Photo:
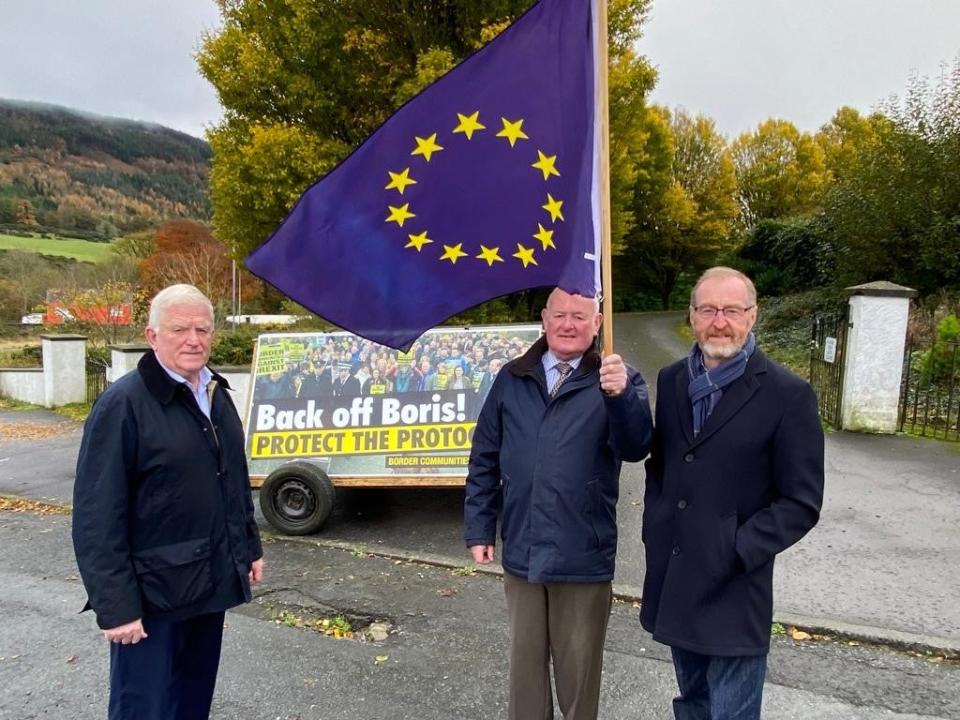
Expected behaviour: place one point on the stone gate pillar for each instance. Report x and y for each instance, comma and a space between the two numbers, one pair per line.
873, 363
64, 369
124, 358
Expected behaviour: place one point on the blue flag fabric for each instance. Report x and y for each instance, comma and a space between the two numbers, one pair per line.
482, 185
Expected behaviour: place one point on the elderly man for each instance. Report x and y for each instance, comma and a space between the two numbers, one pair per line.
546, 453
735, 476
163, 523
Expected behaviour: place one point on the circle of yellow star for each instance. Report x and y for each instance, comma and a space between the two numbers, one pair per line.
418, 241
469, 125
399, 215
491, 255
400, 180
453, 253
545, 237
525, 255
554, 208
427, 146
512, 131
546, 165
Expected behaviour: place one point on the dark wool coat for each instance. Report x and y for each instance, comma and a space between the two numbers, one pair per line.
551, 467
163, 522
718, 508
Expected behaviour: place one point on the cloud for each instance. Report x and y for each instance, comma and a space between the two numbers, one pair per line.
112, 57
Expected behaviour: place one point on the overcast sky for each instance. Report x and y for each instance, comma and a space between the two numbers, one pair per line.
737, 61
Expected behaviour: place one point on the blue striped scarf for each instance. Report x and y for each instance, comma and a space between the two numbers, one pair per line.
707, 386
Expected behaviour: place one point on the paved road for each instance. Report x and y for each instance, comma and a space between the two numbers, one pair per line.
443, 659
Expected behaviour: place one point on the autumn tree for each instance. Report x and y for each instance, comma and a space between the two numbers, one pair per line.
186, 251
687, 208
24, 280
846, 137
108, 312
781, 172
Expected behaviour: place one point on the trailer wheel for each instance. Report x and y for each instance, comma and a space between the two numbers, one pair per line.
297, 498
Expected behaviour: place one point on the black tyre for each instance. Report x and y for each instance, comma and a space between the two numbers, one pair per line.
297, 498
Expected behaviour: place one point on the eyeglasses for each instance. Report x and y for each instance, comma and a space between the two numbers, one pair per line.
733, 312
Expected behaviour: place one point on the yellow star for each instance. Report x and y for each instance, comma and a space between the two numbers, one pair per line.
399, 215
545, 236
418, 241
400, 180
525, 255
545, 165
427, 146
553, 207
469, 125
491, 255
512, 131
453, 253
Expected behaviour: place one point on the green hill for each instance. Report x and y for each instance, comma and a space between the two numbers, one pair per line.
93, 177
82, 250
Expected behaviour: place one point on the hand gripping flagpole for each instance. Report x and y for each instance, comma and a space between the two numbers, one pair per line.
603, 117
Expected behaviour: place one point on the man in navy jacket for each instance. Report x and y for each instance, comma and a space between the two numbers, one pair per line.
735, 476
546, 457
163, 523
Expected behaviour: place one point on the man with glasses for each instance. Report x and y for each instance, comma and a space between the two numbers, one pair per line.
735, 476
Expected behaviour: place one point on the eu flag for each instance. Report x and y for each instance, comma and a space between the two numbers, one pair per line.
483, 184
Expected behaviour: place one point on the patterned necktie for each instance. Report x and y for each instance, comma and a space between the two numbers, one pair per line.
563, 372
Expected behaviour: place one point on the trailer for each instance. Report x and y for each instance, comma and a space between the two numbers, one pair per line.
329, 410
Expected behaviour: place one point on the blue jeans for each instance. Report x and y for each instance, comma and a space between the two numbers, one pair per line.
718, 688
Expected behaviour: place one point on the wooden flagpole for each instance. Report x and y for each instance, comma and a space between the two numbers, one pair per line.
603, 117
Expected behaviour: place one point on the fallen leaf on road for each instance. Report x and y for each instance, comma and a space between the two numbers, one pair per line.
799, 634
36, 431
15, 504
380, 659
72, 660
447, 592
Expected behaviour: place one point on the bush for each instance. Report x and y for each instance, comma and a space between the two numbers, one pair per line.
783, 325
787, 256
98, 357
26, 356
234, 346
939, 363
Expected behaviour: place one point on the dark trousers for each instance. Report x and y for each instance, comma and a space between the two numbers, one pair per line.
568, 623
171, 674
718, 688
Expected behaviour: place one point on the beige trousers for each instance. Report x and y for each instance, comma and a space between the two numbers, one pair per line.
568, 623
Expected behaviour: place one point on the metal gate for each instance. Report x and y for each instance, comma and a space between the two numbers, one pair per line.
96, 382
827, 342
930, 394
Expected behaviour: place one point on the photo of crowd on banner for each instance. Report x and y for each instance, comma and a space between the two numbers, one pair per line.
344, 365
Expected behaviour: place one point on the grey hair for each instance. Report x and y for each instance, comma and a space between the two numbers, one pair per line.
596, 300
722, 271
181, 294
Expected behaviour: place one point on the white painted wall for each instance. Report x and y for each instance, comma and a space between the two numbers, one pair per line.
23, 384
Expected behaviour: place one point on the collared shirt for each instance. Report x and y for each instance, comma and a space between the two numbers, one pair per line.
550, 361
200, 394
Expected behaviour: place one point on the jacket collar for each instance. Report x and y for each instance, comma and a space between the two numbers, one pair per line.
159, 383
531, 361
734, 397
